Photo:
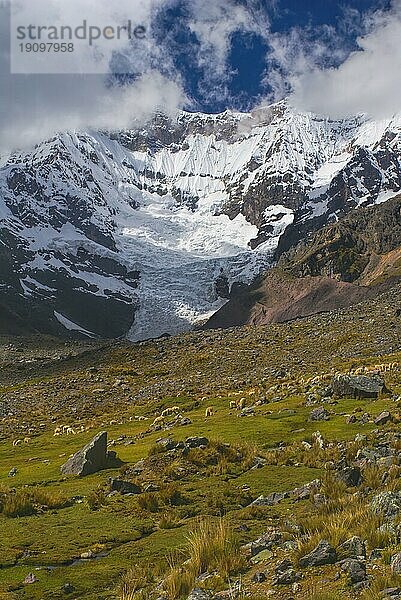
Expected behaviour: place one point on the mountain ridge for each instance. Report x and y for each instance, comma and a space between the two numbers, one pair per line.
129, 234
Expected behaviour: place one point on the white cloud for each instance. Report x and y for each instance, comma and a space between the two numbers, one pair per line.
34, 107
367, 81
296, 53
214, 23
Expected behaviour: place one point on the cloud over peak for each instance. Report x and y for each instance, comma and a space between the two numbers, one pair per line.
367, 81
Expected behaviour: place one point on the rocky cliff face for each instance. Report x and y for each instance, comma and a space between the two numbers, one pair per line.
145, 232
348, 250
341, 264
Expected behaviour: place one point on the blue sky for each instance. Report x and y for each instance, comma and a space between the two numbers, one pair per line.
332, 58
336, 25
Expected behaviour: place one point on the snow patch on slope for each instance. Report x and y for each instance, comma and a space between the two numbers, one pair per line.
71, 326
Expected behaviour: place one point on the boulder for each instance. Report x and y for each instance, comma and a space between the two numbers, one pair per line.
374, 454
124, 487
396, 563
358, 386
387, 504
319, 414
268, 540
353, 548
270, 500
323, 554
167, 444
350, 476
304, 492
383, 418
263, 556
138, 467
196, 442
355, 569
247, 412
285, 573
91, 459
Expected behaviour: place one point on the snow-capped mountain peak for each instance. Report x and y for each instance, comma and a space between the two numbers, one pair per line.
148, 231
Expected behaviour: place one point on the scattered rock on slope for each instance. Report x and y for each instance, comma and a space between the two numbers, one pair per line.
383, 418
319, 414
387, 504
355, 569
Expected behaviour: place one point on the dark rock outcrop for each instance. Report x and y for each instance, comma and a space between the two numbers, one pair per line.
358, 386
124, 487
353, 548
355, 569
396, 563
323, 554
387, 504
350, 476
319, 414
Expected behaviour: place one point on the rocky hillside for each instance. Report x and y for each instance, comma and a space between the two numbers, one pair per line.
144, 232
341, 264
351, 249
254, 462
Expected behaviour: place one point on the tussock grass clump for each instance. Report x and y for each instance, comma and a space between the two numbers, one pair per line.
149, 501
254, 513
168, 521
211, 546
315, 457
156, 449
48, 498
313, 592
220, 458
171, 495
342, 516
178, 583
18, 504
135, 583
334, 491
372, 477
29, 501
379, 583
96, 499
354, 519
225, 499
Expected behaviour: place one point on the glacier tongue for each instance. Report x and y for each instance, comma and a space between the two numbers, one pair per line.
180, 254
175, 298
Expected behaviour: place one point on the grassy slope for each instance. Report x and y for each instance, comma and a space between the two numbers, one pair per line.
193, 371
